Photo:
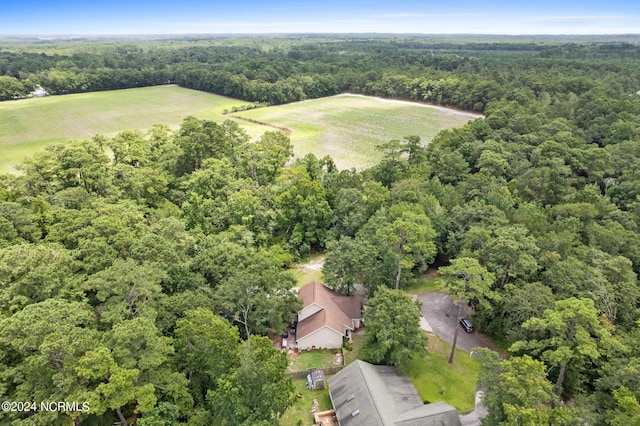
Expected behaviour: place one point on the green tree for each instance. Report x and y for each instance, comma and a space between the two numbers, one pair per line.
467, 280
117, 386
615, 287
449, 166
146, 185
350, 212
21, 222
206, 349
410, 237
129, 372
340, 270
372, 258
78, 163
510, 252
304, 214
393, 334
11, 88
517, 392
462, 218
125, 290
258, 295
252, 207
413, 147
202, 139
256, 390
571, 336
40, 347
128, 147
208, 189
518, 304
392, 167
492, 163
622, 370
32, 273
262, 160
627, 410
98, 233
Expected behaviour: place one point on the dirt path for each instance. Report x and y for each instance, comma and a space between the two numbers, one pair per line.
313, 265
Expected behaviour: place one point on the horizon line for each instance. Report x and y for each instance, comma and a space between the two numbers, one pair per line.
310, 33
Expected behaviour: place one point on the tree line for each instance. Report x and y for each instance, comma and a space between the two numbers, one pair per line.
462, 73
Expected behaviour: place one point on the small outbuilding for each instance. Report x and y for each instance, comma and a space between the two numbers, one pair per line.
315, 379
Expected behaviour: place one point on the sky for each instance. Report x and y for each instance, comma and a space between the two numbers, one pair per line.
121, 17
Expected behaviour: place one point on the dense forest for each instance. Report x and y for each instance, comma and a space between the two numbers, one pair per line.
121, 275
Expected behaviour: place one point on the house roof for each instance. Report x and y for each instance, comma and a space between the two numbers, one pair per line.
366, 394
337, 311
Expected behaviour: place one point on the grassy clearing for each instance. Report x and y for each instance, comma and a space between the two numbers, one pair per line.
424, 284
30, 124
312, 359
301, 409
353, 352
310, 269
437, 380
348, 127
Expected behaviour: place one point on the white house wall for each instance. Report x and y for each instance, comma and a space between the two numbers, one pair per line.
325, 338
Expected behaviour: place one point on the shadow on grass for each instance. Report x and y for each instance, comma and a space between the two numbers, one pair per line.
423, 284
352, 351
437, 380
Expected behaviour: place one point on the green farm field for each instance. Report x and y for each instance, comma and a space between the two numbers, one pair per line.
30, 124
348, 127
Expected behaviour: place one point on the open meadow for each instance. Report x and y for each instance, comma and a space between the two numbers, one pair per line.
346, 127
30, 124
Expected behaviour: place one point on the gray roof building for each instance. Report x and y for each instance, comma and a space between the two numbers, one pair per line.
374, 395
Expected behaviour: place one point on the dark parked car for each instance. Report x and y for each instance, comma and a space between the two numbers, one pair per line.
466, 325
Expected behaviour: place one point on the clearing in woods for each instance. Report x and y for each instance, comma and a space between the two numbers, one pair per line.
30, 124
346, 127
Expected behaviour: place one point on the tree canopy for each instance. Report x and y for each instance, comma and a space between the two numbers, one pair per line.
117, 252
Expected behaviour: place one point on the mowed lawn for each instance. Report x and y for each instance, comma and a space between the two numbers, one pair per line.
437, 380
348, 127
301, 408
30, 124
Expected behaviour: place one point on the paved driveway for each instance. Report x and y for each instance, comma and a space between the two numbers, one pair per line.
442, 315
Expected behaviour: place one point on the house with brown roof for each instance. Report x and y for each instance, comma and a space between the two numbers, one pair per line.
326, 317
